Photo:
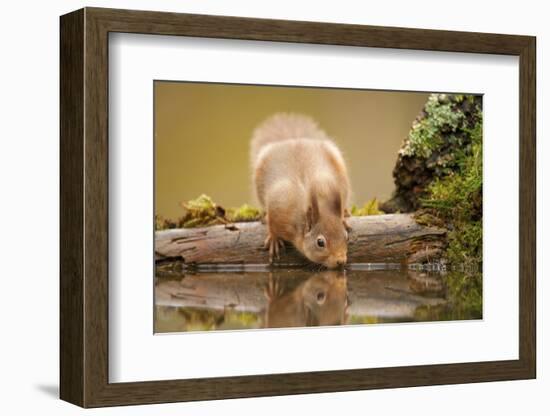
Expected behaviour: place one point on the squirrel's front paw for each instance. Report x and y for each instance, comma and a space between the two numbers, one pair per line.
274, 245
273, 289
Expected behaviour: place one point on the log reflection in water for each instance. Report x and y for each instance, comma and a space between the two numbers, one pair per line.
291, 297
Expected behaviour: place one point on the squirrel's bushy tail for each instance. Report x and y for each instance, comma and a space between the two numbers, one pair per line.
284, 126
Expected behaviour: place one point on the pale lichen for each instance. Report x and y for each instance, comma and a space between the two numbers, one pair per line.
434, 148
426, 134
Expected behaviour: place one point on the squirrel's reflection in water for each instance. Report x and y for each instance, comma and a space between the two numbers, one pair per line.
322, 299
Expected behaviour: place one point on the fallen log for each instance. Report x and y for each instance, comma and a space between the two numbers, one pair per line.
393, 238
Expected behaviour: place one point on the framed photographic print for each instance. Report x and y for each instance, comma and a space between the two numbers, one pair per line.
255, 207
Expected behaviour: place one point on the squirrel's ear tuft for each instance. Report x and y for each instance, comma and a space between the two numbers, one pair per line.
312, 216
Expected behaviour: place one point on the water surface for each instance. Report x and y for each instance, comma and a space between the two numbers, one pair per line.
229, 300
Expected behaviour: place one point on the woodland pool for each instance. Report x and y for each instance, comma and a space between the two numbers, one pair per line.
226, 299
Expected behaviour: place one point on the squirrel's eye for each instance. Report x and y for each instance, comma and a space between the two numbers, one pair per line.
321, 242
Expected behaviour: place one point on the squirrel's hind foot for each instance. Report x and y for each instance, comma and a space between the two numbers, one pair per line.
275, 245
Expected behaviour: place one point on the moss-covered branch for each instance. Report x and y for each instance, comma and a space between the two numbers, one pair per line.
438, 174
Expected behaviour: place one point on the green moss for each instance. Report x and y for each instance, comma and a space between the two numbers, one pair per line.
203, 205
428, 218
456, 199
370, 208
162, 223
243, 213
439, 138
426, 134
203, 212
465, 244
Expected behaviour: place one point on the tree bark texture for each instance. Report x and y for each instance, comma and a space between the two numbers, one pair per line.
393, 238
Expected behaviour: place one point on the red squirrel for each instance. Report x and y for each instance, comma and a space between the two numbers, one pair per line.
322, 299
302, 183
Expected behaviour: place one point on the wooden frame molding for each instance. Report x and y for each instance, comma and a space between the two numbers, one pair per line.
84, 207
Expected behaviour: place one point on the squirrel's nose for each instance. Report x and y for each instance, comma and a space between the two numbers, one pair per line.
341, 261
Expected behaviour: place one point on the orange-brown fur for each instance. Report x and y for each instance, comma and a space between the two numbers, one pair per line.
301, 181
322, 299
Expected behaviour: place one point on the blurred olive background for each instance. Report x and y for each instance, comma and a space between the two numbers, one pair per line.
202, 134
